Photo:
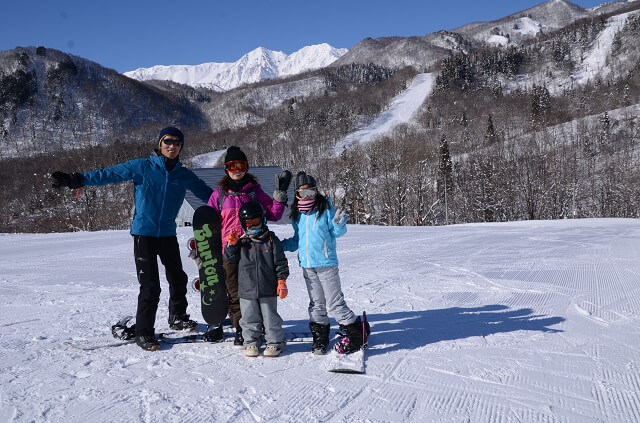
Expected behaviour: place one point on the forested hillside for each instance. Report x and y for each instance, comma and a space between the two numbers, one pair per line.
542, 129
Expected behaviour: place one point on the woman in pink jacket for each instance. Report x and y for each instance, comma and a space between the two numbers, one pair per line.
236, 188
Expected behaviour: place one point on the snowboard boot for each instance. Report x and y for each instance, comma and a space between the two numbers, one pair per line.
351, 340
239, 340
251, 351
320, 337
214, 335
181, 322
147, 342
272, 351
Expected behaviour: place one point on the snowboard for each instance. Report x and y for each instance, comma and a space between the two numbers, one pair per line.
349, 363
124, 333
207, 243
169, 338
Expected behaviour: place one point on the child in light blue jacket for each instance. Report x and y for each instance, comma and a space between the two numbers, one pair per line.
316, 225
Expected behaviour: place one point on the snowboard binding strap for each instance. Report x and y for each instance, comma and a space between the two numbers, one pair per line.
121, 331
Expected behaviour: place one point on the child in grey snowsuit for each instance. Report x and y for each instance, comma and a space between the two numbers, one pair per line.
262, 273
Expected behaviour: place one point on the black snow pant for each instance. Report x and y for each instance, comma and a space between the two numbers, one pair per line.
147, 250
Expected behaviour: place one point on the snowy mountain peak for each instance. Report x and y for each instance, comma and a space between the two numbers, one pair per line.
255, 66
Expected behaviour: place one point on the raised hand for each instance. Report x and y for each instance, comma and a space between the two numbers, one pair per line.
341, 217
283, 180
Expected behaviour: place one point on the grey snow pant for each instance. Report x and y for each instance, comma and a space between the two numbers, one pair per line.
325, 296
259, 314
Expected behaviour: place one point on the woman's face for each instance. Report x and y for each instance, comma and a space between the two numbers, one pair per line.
236, 175
236, 169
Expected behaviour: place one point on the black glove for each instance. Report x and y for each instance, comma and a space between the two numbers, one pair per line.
61, 179
283, 180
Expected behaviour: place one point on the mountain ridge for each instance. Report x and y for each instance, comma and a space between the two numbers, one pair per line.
257, 65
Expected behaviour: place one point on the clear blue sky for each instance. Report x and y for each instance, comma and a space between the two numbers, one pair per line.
125, 35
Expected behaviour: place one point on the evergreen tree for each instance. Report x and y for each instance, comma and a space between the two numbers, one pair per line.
540, 105
445, 176
490, 136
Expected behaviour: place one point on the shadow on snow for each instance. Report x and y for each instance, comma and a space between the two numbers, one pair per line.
414, 329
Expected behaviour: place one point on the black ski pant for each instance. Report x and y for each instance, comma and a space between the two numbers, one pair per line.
146, 250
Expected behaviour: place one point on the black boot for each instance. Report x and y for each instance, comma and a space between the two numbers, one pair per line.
147, 342
181, 322
320, 337
214, 335
351, 341
239, 340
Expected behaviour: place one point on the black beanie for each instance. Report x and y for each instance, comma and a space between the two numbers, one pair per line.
234, 153
303, 179
170, 130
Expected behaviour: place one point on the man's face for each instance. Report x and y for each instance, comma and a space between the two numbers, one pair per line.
170, 146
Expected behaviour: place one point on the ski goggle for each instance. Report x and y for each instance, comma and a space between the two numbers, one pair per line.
255, 222
237, 165
306, 192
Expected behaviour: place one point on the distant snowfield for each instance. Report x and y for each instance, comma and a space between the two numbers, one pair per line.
594, 64
402, 109
206, 160
515, 322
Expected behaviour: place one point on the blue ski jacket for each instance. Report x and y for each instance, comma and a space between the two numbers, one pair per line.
315, 238
158, 193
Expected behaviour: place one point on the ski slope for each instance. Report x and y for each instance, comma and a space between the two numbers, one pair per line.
514, 322
595, 62
401, 110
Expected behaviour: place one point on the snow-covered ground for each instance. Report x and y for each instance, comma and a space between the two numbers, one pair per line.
401, 110
515, 322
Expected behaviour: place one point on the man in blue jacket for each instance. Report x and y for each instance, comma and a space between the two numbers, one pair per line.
160, 183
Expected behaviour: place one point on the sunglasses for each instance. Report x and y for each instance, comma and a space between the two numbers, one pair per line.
238, 165
253, 223
171, 141
306, 192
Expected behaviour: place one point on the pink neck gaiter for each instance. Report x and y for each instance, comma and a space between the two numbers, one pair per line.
306, 205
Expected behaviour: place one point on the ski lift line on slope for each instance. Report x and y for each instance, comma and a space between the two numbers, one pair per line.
402, 109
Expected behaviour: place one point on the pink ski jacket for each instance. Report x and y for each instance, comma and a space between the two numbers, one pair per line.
234, 200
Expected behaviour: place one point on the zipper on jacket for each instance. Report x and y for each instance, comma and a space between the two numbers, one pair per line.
164, 198
255, 260
306, 242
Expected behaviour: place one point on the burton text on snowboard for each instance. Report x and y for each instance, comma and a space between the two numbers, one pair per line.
208, 247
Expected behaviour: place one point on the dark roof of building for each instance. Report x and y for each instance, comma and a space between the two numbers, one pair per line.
212, 176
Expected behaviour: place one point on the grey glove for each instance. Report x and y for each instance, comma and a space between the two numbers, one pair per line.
280, 196
341, 217
193, 255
